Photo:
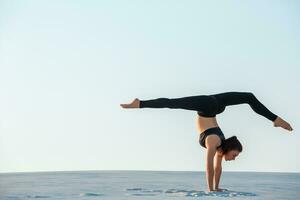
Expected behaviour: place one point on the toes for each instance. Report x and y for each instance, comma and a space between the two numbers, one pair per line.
124, 105
289, 128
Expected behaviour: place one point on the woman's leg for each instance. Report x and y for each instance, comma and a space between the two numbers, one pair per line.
234, 98
204, 103
210, 105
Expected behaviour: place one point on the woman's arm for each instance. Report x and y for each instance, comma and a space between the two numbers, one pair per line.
218, 170
210, 167
211, 143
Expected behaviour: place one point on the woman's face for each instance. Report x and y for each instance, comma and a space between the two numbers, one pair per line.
230, 155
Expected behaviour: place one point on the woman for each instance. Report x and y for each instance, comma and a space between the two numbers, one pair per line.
211, 136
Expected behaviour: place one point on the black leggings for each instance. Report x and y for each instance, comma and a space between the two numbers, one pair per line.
210, 105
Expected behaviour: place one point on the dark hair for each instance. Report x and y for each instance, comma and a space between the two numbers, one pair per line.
231, 143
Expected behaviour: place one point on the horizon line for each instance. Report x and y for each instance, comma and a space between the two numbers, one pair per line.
140, 170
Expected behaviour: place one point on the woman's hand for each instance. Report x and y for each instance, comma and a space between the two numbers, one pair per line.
220, 190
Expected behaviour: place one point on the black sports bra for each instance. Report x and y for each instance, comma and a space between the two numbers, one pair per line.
211, 131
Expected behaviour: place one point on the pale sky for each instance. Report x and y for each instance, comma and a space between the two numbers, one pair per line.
65, 66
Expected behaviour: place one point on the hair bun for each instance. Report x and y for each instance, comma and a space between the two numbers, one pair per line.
231, 143
233, 138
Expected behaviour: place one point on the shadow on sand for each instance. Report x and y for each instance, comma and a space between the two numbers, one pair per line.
195, 193
188, 193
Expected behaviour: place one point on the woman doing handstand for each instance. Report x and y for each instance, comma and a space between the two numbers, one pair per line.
211, 136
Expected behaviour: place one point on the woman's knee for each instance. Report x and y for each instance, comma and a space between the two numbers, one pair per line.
251, 97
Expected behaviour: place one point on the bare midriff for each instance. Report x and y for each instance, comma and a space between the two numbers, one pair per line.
204, 123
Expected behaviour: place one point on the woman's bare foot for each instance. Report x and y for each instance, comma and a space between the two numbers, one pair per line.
134, 104
280, 122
